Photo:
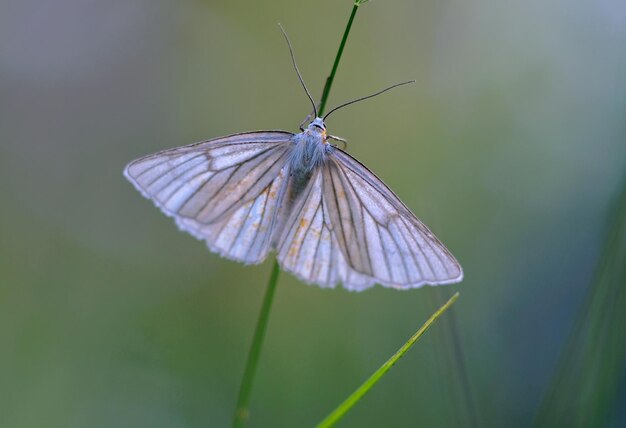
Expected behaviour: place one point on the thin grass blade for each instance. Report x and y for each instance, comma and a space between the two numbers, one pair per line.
337, 414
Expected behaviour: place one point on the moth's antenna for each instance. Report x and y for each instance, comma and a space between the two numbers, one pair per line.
293, 59
366, 97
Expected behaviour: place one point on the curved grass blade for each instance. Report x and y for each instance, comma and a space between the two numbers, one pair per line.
337, 414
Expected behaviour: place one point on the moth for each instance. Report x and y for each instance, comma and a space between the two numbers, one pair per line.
329, 219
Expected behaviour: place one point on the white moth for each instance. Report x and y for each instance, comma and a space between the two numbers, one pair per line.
327, 216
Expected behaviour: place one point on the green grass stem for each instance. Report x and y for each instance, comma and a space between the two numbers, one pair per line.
331, 77
242, 410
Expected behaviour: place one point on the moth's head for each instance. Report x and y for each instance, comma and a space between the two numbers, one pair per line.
317, 126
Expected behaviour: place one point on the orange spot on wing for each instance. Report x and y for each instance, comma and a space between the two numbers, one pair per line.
295, 245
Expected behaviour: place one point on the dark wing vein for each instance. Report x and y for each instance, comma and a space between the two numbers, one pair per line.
248, 195
161, 163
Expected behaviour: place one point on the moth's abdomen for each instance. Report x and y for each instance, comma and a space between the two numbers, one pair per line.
299, 179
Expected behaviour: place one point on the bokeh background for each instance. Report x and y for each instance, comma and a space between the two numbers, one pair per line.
511, 146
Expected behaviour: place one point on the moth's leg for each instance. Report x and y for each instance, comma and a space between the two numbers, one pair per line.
332, 137
306, 119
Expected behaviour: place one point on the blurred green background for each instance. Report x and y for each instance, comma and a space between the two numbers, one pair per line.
511, 146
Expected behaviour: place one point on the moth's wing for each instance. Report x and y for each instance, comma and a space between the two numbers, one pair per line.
348, 227
224, 191
379, 237
307, 246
